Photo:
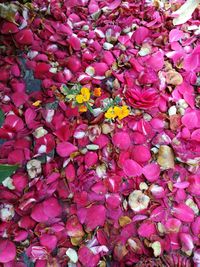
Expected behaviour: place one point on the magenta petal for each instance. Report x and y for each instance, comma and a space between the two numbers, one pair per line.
191, 62
75, 43
64, 149
196, 135
52, 207
183, 213
141, 153
91, 158
132, 168
7, 251
190, 120
87, 258
121, 140
140, 35
95, 217
147, 229
38, 213
24, 37
151, 172
9, 28
175, 35
48, 241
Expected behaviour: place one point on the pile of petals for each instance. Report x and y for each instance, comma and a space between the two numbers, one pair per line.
101, 101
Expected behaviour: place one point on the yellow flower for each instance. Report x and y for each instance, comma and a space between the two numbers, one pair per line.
110, 113
85, 92
84, 96
97, 91
121, 112
82, 108
37, 103
79, 99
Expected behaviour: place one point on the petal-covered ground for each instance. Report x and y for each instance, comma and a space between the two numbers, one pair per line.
99, 133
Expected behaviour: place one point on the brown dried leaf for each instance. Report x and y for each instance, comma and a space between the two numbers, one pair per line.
124, 220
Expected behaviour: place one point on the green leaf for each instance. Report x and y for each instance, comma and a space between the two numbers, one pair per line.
6, 171
89, 108
2, 117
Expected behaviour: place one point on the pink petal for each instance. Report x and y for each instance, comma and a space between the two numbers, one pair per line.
52, 207
100, 68
7, 251
175, 35
19, 98
147, 229
91, 158
87, 258
95, 216
196, 135
183, 213
64, 149
141, 153
190, 120
191, 62
48, 241
151, 172
73, 63
75, 43
8, 28
38, 214
140, 35
132, 168
121, 140
24, 37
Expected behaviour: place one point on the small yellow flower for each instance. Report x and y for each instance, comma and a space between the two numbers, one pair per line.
84, 96
79, 99
85, 92
82, 108
37, 103
97, 91
110, 113
121, 112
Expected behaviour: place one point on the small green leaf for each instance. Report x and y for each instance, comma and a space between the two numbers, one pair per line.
2, 117
6, 171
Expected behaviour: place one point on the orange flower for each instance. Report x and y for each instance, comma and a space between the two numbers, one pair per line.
82, 108
97, 91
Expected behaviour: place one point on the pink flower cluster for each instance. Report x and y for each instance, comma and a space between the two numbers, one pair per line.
91, 191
